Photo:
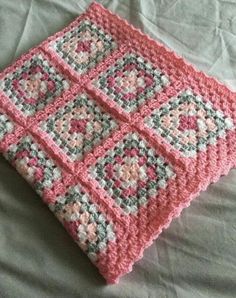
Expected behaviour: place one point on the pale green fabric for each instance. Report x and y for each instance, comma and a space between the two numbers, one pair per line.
196, 256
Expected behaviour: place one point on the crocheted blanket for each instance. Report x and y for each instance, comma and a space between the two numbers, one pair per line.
115, 132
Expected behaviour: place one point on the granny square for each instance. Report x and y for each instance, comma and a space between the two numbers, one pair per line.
132, 172
131, 81
115, 132
84, 46
33, 85
189, 123
79, 126
81, 47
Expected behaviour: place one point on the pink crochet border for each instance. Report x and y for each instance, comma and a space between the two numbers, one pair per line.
181, 75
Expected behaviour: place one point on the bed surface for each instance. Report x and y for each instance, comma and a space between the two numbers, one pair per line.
196, 256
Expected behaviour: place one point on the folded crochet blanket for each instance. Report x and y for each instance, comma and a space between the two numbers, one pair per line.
115, 132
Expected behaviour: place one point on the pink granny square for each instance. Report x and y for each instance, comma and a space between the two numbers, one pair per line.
115, 132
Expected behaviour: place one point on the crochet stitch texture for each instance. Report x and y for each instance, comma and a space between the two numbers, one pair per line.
115, 132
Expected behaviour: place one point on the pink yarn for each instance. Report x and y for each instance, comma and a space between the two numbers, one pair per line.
115, 132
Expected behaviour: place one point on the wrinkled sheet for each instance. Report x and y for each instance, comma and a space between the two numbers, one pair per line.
196, 256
